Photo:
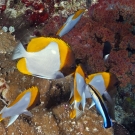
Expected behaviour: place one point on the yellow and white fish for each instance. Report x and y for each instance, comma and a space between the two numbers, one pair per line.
46, 57
78, 92
103, 82
25, 101
70, 23
100, 105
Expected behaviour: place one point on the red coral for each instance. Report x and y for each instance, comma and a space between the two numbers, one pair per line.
112, 10
2, 5
39, 11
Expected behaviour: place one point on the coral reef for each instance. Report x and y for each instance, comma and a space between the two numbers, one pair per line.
109, 21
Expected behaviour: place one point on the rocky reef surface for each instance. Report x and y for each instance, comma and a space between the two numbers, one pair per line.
51, 117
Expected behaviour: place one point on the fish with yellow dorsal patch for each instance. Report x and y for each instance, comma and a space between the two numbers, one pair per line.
46, 57
70, 23
78, 92
25, 101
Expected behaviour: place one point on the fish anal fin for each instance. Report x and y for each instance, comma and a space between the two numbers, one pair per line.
12, 119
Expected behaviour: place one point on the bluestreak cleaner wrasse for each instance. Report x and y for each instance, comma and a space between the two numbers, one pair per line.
70, 23
104, 82
100, 105
25, 101
78, 93
46, 57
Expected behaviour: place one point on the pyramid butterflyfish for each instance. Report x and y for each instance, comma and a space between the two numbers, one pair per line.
45, 57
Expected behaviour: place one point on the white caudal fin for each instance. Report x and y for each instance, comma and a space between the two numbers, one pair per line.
12, 119
19, 52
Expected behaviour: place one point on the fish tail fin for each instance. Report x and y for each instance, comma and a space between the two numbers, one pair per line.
19, 52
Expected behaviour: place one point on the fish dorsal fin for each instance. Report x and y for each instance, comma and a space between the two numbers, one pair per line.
78, 13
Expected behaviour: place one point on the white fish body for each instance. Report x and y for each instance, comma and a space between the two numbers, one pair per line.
44, 63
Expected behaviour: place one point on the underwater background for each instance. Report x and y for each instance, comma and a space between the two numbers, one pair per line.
106, 27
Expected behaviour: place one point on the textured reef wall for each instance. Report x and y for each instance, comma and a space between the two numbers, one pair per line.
106, 21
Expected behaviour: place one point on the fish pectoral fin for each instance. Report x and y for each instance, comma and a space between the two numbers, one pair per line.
26, 112
12, 119
92, 104
58, 75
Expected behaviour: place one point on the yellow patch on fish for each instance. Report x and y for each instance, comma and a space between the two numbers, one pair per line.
78, 13
105, 75
72, 114
22, 66
34, 94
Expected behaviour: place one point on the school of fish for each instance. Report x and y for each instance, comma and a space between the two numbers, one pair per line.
52, 58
